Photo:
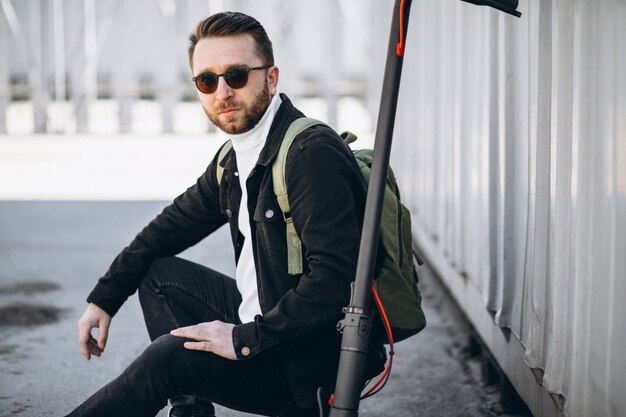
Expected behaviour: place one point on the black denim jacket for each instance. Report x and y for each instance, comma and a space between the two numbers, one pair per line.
327, 198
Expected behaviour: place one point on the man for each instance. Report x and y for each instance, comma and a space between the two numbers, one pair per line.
265, 341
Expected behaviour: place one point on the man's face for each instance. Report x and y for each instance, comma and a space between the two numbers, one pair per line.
234, 110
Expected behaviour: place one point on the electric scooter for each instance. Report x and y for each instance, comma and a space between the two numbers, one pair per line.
356, 325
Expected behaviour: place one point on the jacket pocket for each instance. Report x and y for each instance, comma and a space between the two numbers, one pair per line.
267, 210
269, 237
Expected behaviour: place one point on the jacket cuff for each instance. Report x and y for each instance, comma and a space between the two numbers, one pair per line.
245, 340
107, 298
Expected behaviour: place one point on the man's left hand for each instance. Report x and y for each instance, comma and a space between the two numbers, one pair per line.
213, 336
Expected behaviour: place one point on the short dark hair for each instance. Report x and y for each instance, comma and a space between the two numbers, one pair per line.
232, 23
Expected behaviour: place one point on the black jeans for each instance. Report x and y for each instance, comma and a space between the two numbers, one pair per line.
177, 293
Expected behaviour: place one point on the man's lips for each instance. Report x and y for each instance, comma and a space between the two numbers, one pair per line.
228, 112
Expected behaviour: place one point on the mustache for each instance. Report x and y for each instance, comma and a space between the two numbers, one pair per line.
226, 106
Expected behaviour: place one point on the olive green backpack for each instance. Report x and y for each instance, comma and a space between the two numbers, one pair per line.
396, 281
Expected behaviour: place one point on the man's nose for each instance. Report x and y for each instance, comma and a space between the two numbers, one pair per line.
223, 91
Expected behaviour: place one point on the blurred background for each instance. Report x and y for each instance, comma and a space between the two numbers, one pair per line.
510, 151
87, 66
90, 73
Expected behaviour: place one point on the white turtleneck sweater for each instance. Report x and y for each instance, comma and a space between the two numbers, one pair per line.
247, 147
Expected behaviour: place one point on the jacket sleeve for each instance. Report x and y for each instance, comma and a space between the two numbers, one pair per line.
321, 180
191, 217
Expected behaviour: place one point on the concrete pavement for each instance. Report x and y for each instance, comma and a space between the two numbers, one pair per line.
51, 254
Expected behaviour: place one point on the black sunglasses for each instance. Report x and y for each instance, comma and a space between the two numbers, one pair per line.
234, 77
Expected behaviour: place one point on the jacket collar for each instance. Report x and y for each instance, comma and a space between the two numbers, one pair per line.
284, 116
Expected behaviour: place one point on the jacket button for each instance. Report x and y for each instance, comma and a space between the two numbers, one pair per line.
229, 213
245, 351
236, 174
269, 213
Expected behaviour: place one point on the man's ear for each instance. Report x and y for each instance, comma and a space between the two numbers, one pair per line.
272, 79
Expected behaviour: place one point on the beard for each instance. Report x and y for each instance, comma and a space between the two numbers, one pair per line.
248, 116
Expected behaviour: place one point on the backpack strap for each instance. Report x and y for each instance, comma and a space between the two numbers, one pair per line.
219, 170
294, 246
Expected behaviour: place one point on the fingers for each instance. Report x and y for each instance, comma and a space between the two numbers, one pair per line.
205, 346
93, 317
197, 332
88, 345
224, 349
84, 336
94, 349
214, 336
103, 334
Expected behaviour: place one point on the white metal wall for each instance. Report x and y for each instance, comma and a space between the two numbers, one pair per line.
511, 148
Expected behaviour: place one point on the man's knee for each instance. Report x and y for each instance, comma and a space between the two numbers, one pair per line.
164, 357
163, 370
163, 267
158, 272
166, 347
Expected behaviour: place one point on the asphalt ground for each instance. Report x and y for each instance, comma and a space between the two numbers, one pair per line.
51, 254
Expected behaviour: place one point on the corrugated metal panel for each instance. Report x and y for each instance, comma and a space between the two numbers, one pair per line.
511, 151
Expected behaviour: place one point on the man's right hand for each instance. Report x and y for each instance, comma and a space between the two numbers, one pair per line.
93, 317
